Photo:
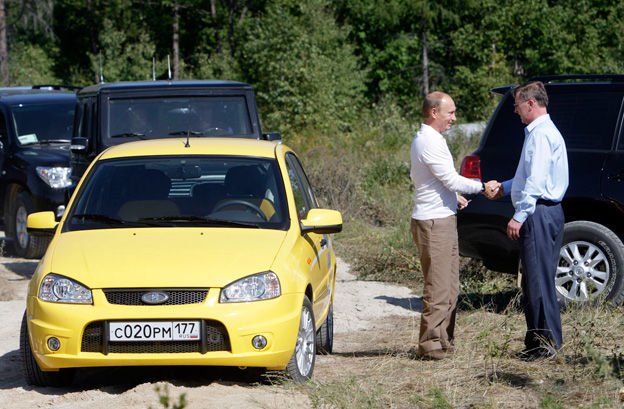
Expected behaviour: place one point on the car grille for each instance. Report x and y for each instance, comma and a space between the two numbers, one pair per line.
176, 296
214, 338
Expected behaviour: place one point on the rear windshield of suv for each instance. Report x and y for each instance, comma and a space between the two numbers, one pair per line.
587, 120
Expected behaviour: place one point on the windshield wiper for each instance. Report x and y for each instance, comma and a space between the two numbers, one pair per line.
204, 221
104, 219
49, 141
183, 133
128, 135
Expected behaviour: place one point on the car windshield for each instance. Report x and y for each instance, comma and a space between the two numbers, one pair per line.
44, 123
190, 191
147, 118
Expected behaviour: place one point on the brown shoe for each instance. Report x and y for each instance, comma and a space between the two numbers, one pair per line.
435, 355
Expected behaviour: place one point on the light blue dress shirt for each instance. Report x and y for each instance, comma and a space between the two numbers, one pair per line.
542, 172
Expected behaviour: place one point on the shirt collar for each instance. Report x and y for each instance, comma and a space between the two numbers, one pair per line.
431, 130
537, 121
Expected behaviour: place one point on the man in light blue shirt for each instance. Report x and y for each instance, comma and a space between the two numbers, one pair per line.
537, 189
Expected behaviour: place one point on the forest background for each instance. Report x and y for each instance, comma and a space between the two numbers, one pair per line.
342, 81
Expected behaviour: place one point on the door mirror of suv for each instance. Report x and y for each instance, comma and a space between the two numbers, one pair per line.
78, 143
322, 221
272, 136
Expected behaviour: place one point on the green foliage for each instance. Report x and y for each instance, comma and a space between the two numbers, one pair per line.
303, 68
123, 58
164, 398
30, 65
434, 399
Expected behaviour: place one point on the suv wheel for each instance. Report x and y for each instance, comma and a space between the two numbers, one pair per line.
24, 244
591, 264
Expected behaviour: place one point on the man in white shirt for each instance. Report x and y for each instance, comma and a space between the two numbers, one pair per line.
434, 225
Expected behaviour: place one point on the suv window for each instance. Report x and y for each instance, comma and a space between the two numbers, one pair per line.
587, 120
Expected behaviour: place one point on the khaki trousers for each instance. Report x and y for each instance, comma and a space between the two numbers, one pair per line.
436, 241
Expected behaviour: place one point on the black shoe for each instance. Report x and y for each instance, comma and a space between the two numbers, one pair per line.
537, 354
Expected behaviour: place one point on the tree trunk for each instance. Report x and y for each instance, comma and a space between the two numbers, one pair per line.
425, 58
4, 54
176, 41
213, 14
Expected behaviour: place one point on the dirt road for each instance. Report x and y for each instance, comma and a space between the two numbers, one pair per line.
361, 309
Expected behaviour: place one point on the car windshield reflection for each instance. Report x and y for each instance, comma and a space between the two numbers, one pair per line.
193, 191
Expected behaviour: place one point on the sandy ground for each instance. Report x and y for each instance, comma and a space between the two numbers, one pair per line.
361, 309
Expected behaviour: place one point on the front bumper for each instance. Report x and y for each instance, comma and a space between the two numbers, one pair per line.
277, 320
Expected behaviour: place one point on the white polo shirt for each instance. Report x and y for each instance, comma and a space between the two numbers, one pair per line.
434, 176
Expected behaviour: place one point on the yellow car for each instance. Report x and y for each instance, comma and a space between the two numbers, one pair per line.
184, 252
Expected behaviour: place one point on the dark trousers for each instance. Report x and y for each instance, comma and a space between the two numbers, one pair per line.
541, 237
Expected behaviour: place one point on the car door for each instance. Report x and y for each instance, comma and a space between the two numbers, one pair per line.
319, 255
613, 176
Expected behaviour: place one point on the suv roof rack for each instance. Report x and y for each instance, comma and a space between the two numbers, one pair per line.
580, 77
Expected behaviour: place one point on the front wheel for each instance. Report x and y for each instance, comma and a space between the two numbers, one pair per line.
24, 244
33, 374
301, 364
591, 264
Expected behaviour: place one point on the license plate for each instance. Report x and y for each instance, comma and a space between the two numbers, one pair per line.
154, 331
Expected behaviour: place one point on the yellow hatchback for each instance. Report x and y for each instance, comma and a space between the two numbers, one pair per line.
184, 252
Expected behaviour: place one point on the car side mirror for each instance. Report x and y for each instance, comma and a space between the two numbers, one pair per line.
322, 221
41, 223
272, 136
78, 144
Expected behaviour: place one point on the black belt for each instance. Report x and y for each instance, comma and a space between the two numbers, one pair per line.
547, 202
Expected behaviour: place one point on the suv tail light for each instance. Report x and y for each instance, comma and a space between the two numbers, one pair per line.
471, 167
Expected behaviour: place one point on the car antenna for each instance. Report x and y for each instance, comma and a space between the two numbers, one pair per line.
187, 144
168, 67
153, 68
101, 70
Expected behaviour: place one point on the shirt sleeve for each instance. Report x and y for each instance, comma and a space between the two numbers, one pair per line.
439, 160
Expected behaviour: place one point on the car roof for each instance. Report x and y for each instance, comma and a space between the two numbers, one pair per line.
580, 80
36, 93
195, 146
162, 84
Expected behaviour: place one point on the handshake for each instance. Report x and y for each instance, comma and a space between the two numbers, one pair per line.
493, 190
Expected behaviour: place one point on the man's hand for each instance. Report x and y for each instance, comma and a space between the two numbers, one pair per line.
513, 229
462, 202
493, 190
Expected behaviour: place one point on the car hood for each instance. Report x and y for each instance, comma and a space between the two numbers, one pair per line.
45, 155
163, 257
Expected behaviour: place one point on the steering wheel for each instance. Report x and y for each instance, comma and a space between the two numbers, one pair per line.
239, 202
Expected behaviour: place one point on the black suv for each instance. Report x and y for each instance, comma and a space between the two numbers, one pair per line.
113, 113
589, 112
35, 133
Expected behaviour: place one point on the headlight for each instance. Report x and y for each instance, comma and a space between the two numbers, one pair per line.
55, 288
56, 178
261, 286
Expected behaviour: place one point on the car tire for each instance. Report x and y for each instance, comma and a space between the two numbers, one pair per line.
325, 334
301, 364
24, 244
591, 265
35, 376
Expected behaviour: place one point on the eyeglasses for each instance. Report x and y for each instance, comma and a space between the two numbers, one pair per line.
516, 105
